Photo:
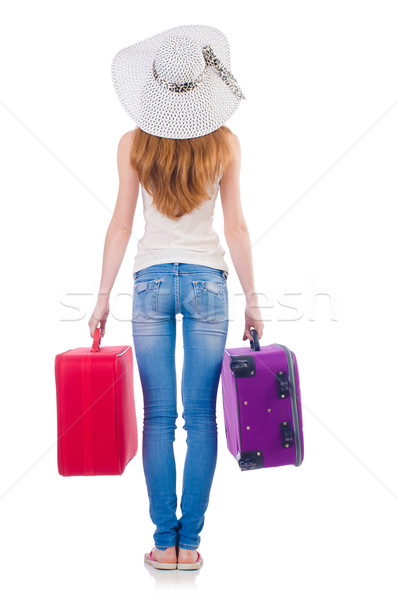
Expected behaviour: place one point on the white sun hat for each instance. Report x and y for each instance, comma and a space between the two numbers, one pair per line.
177, 84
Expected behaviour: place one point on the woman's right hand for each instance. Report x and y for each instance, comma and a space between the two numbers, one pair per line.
253, 318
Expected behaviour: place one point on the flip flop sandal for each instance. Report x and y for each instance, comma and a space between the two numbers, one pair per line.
156, 564
190, 566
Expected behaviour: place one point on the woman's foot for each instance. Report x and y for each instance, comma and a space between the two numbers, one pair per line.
187, 556
189, 559
163, 556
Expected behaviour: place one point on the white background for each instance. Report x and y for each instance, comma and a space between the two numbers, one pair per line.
318, 183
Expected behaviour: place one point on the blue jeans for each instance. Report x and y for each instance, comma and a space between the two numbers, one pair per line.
200, 294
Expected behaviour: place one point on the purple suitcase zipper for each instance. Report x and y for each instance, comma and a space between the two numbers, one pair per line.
262, 405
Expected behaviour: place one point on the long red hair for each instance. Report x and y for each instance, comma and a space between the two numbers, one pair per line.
177, 172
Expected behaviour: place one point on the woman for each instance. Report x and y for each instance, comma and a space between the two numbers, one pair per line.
179, 91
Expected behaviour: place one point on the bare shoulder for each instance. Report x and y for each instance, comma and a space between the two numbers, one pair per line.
123, 156
126, 140
233, 135
124, 146
234, 140
230, 191
232, 170
235, 143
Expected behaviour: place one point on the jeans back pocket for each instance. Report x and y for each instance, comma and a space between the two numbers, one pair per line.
145, 300
211, 300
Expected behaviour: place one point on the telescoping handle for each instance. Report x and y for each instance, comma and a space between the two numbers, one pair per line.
97, 340
254, 344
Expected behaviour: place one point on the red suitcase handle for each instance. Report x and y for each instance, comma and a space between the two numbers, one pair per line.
96, 343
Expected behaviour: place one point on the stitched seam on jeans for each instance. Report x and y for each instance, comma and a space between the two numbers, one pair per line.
156, 296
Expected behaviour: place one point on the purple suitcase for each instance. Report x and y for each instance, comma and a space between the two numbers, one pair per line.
262, 405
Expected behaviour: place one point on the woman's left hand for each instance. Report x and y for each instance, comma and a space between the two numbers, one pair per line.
100, 315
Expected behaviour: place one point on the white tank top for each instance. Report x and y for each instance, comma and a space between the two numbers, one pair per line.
189, 239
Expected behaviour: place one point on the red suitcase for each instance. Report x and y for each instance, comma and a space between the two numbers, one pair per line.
96, 417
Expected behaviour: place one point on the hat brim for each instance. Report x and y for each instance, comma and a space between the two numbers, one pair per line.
162, 112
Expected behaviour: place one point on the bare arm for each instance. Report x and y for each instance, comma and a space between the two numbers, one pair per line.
238, 239
118, 233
